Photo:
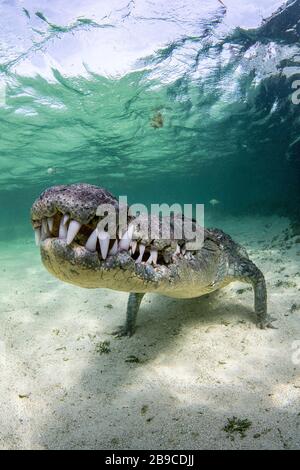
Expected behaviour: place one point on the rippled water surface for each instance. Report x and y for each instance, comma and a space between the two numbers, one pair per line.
181, 101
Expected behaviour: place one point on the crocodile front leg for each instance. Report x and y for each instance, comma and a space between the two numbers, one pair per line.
246, 271
133, 305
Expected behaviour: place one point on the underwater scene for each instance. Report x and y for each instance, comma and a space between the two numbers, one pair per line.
181, 102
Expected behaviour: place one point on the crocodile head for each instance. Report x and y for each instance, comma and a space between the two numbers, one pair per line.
74, 248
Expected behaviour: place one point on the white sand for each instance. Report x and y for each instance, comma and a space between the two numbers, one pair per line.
201, 361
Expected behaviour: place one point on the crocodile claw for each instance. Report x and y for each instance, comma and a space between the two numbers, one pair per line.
267, 322
122, 331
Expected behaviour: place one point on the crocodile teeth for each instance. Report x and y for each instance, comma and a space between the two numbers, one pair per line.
133, 246
154, 255
176, 252
37, 236
50, 222
62, 230
114, 249
92, 241
126, 239
142, 251
65, 219
73, 229
104, 243
44, 225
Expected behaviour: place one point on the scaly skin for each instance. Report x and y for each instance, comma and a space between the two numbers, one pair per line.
192, 273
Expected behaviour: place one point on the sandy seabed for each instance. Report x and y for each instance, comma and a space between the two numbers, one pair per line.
192, 368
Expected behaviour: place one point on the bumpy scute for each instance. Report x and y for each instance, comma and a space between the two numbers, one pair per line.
80, 201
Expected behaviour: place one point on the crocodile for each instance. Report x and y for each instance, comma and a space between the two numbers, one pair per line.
74, 249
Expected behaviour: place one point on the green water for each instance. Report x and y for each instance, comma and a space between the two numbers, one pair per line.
184, 107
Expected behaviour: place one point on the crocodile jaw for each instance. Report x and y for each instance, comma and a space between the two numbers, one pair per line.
73, 251
76, 265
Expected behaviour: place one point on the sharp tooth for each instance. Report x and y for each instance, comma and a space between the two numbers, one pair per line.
37, 235
92, 241
104, 243
149, 260
130, 231
142, 251
50, 222
133, 246
176, 253
65, 219
154, 255
126, 239
114, 249
62, 230
124, 244
73, 229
